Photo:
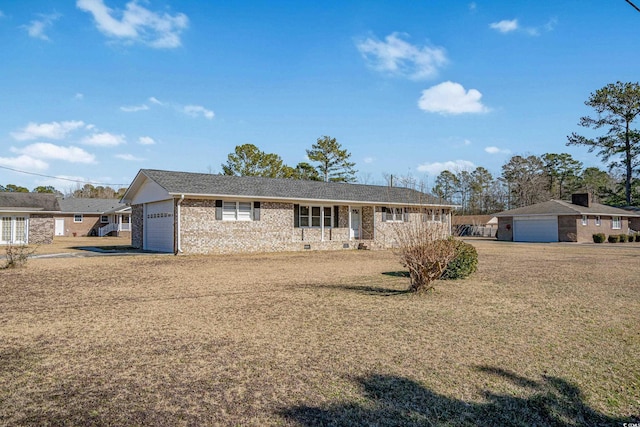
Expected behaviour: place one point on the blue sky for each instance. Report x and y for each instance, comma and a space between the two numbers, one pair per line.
94, 90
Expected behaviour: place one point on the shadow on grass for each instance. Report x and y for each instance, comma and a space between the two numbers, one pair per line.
367, 290
397, 401
396, 273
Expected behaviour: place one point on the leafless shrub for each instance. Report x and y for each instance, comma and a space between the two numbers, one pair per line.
16, 256
423, 249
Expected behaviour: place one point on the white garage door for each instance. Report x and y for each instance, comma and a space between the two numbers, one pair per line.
158, 226
544, 229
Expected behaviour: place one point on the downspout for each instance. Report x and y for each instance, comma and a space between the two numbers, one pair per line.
178, 220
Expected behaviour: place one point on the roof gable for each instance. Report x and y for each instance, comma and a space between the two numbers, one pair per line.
208, 185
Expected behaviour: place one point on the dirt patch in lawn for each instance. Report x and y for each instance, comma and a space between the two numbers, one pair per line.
541, 334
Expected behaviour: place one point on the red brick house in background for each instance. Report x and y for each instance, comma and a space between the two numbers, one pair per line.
92, 217
561, 221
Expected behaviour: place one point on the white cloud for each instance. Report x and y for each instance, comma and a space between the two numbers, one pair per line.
134, 108
37, 27
396, 56
23, 162
505, 26
128, 157
53, 130
453, 166
45, 150
368, 160
78, 96
137, 24
104, 139
197, 111
496, 150
451, 98
508, 26
146, 140
156, 101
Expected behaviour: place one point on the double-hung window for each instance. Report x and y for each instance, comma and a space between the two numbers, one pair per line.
616, 223
598, 221
585, 220
394, 215
313, 216
236, 211
77, 218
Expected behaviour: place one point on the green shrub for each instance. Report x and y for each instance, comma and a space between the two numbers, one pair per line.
631, 238
464, 263
622, 238
637, 237
614, 238
599, 238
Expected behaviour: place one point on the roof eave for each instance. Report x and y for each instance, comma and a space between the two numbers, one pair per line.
311, 200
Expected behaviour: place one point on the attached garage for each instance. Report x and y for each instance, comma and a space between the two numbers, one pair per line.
535, 229
158, 226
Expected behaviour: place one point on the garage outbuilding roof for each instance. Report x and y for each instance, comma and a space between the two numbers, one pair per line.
560, 207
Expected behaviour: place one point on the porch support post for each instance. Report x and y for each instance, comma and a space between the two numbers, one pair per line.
322, 223
350, 229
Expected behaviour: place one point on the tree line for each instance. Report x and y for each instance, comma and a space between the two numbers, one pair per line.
526, 180
87, 191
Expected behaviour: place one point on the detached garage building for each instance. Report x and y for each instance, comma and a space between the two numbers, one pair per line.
561, 221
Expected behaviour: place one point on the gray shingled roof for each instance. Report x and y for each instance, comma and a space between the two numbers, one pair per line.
560, 207
90, 206
178, 183
10, 201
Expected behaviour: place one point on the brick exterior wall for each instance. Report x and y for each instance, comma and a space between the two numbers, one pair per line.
137, 226
570, 228
505, 229
201, 233
41, 229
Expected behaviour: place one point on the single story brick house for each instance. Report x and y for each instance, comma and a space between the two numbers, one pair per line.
27, 218
92, 217
562, 221
183, 212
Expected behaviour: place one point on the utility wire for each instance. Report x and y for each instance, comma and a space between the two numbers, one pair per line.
65, 179
633, 5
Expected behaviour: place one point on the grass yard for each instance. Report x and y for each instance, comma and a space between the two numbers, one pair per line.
545, 334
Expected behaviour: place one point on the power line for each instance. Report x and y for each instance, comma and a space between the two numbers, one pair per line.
633, 5
65, 179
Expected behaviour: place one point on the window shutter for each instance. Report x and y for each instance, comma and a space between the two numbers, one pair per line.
336, 216
296, 216
256, 211
219, 210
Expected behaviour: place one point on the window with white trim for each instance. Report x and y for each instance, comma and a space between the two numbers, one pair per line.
394, 214
77, 218
104, 219
434, 215
313, 216
13, 229
585, 220
236, 211
616, 223
598, 221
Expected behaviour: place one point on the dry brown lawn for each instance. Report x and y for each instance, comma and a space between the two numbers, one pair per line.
545, 334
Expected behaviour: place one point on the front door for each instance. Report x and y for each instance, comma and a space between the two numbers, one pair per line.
356, 221
59, 231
